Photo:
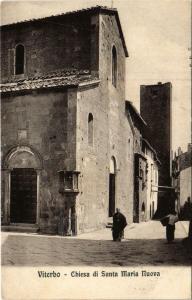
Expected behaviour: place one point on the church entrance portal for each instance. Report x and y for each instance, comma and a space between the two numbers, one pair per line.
23, 204
22, 167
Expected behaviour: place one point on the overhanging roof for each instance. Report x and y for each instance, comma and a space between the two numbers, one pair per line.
134, 113
56, 79
152, 149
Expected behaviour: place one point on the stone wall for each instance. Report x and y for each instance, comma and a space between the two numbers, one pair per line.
109, 37
44, 121
120, 137
53, 44
112, 137
92, 161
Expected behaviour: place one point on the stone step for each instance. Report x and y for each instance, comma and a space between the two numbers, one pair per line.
109, 225
20, 228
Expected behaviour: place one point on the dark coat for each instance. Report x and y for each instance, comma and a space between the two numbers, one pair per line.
119, 221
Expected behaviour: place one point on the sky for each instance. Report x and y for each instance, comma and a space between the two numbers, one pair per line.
158, 38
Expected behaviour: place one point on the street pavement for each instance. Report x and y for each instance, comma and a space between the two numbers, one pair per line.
143, 244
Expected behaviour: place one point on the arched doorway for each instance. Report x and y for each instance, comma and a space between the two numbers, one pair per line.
21, 170
112, 186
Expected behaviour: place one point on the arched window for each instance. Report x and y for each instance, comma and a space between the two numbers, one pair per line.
112, 166
114, 66
90, 129
19, 59
143, 207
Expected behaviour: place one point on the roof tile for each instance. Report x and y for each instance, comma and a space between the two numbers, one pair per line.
55, 79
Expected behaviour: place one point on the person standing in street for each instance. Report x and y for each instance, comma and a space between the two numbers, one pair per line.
170, 228
119, 223
172, 217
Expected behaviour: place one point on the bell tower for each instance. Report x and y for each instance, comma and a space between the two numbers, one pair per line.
155, 109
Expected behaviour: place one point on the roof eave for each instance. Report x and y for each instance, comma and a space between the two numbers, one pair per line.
130, 105
29, 90
121, 34
152, 149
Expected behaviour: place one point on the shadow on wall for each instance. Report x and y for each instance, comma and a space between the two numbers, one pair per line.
60, 251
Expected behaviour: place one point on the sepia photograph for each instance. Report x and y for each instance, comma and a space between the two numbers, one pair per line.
96, 150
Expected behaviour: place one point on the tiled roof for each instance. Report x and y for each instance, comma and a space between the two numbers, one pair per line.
152, 149
62, 73
55, 79
134, 112
135, 115
90, 10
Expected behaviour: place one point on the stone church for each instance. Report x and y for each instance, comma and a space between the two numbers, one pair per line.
66, 161
67, 141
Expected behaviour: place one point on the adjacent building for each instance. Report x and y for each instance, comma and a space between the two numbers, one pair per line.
182, 177
146, 166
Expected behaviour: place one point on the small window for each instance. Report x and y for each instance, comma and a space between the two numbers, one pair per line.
114, 66
19, 59
68, 180
90, 129
141, 173
155, 92
142, 146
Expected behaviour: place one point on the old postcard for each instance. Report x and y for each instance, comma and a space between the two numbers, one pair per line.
96, 149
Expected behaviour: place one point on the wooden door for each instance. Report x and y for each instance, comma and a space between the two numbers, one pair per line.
111, 194
23, 205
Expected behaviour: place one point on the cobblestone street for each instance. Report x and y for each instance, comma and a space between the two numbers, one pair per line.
144, 244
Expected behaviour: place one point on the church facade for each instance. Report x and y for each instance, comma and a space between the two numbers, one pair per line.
67, 144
